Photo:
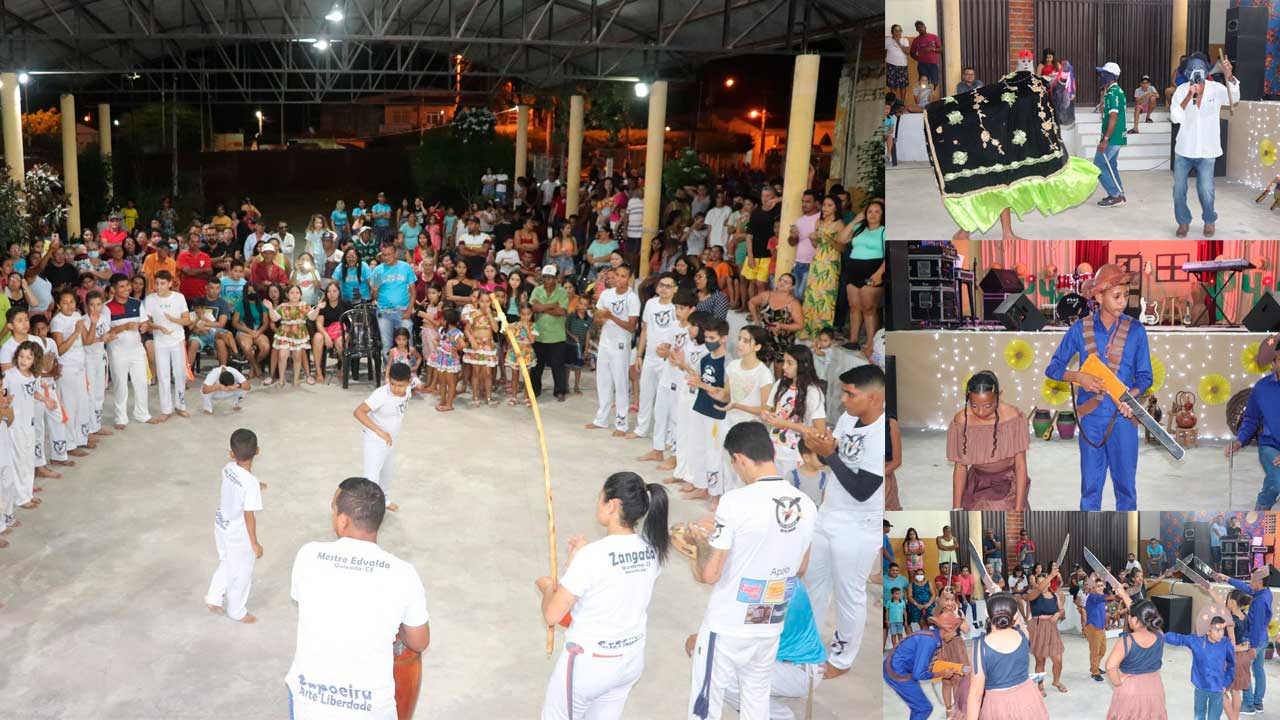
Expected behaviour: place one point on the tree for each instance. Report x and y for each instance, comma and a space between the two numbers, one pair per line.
871, 164
607, 111
448, 166
23, 213
41, 122
684, 170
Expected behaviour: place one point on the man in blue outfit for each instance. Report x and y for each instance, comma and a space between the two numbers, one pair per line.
908, 666
1108, 432
1262, 418
1259, 619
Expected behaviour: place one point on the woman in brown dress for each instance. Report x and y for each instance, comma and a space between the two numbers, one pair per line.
1238, 605
946, 616
988, 442
1046, 611
1134, 664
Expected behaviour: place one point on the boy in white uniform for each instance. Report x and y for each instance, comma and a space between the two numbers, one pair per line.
51, 435
850, 524
235, 530
658, 326
382, 414
223, 383
95, 357
617, 314
671, 384
689, 360
354, 601
68, 329
753, 556
128, 358
169, 315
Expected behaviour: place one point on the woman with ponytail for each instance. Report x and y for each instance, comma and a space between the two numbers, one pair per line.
607, 585
1001, 688
1134, 664
1046, 610
988, 443
748, 382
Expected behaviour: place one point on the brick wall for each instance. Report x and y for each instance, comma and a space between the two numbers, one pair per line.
1022, 34
1013, 524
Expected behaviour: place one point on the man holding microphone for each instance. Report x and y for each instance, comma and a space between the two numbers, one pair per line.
1195, 106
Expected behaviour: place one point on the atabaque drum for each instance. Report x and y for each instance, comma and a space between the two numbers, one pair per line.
1066, 282
407, 672
1072, 307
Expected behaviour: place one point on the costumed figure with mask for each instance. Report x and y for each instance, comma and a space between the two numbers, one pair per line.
1107, 156
911, 663
1063, 93
1195, 106
1108, 432
999, 149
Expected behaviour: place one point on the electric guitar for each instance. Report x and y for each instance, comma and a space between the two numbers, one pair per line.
1186, 315
1119, 392
1150, 314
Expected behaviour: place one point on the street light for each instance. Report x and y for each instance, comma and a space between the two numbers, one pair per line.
24, 78
334, 15
762, 114
642, 90
728, 82
258, 114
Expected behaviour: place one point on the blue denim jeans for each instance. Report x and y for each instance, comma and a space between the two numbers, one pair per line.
1208, 705
1271, 482
1253, 696
1204, 188
801, 273
1108, 163
388, 320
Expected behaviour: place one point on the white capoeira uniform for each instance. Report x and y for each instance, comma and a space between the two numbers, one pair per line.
95, 369
8, 478
603, 653
744, 387
22, 433
235, 396
786, 443
705, 430
801, 663
386, 409
52, 434
671, 386
171, 350
128, 362
234, 576
693, 354
73, 385
660, 326
765, 528
613, 357
848, 539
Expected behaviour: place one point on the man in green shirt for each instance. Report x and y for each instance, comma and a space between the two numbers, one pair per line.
1112, 139
550, 303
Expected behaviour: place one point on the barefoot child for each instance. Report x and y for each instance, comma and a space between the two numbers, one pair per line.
444, 360
52, 434
577, 330
19, 324
687, 359
671, 385
525, 334
69, 329
481, 353
707, 416
291, 333
897, 607
8, 469
235, 530
222, 383
381, 414
402, 352
169, 315
23, 386
431, 312
95, 356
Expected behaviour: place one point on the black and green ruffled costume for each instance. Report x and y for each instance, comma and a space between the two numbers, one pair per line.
1000, 147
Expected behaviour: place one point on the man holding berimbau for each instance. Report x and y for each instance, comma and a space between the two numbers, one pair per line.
1108, 430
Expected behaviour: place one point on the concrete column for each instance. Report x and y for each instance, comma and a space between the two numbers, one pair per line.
11, 107
522, 143
70, 170
843, 150
795, 178
951, 46
574, 170
653, 153
1133, 525
975, 564
1178, 47
104, 139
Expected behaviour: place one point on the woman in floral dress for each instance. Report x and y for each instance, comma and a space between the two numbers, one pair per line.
824, 272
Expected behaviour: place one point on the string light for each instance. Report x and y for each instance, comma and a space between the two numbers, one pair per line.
1263, 123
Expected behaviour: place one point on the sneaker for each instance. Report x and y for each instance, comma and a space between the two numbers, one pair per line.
1257, 706
1097, 678
1107, 202
1247, 710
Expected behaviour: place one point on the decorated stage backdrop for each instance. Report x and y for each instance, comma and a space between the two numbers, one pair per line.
1253, 523
933, 367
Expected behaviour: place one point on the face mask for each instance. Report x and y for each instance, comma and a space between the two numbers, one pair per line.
919, 578
93, 254
1197, 72
712, 345
173, 247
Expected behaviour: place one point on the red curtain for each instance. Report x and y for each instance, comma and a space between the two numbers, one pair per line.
1094, 252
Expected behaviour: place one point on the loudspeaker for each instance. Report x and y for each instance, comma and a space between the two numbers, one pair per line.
1175, 610
898, 298
1018, 313
1001, 281
1265, 315
1237, 568
1246, 48
1195, 540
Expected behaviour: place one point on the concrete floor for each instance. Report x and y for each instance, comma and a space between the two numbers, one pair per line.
1085, 698
104, 583
1147, 215
1053, 466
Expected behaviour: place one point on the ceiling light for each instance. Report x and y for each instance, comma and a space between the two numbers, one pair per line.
642, 89
116, 123
23, 77
335, 15
321, 44
257, 114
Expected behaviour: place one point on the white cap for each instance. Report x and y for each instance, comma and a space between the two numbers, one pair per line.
1110, 67
550, 270
267, 247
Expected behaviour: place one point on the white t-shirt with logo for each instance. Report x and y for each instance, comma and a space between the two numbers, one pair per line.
744, 387
387, 409
861, 447
786, 442
98, 350
352, 598
623, 305
766, 527
215, 375
159, 309
660, 326
693, 354
73, 358
679, 342
613, 581
240, 494
22, 388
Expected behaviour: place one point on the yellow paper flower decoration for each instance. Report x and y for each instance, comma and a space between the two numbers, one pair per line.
1214, 389
1055, 392
1249, 359
1267, 152
1018, 355
1157, 375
